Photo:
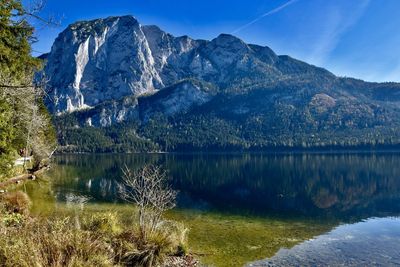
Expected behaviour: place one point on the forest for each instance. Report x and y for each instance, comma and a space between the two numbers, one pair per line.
211, 132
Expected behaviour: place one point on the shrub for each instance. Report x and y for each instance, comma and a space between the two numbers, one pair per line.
16, 202
132, 249
99, 239
148, 190
136, 251
153, 238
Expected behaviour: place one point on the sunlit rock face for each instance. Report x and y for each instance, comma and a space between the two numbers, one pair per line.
95, 66
91, 62
107, 59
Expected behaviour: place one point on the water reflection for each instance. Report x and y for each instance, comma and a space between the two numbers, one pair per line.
345, 186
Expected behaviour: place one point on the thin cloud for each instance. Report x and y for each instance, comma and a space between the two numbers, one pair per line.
337, 24
276, 10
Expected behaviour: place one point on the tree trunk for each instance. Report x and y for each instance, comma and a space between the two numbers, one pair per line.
19, 178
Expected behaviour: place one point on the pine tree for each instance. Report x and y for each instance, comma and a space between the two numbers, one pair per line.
16, 35
24, 123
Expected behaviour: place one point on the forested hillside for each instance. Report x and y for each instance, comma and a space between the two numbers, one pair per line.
288, 116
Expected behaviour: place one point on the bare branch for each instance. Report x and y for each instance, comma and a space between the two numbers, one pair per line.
16, 86
33, 10
147, 189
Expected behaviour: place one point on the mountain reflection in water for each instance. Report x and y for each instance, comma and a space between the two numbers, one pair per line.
345, 186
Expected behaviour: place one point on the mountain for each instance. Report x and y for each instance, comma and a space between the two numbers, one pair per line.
115, 85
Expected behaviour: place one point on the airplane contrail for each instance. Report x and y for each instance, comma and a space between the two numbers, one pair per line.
273, 11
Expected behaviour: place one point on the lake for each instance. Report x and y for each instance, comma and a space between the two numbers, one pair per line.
254, 209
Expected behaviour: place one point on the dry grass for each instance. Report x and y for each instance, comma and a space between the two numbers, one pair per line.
52, 243
96, 240
16, 202
167, 240
105, 224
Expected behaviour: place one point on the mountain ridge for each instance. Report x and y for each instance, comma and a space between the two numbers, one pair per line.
113, 72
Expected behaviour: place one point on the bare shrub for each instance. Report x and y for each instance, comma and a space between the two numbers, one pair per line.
148, 190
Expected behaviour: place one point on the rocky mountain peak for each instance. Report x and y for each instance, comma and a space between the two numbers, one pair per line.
229, 43
223, 92
228, 40
108, 59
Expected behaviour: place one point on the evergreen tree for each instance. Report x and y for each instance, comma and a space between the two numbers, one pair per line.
24, 122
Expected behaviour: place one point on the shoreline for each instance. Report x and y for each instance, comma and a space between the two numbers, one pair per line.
22, 177
276, 152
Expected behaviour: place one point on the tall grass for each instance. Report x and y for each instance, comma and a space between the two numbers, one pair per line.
52, 243
169, 239
98, 239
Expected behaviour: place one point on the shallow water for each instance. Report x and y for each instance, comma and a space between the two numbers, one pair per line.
374, 242
242, 208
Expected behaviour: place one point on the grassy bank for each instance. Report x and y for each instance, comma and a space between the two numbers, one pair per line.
77, 238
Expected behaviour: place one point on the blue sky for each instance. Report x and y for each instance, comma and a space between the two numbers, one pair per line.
355, 38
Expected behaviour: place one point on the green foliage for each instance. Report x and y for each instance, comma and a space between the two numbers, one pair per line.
49, 133
6, 134
6, 129
24, 120
16, 62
